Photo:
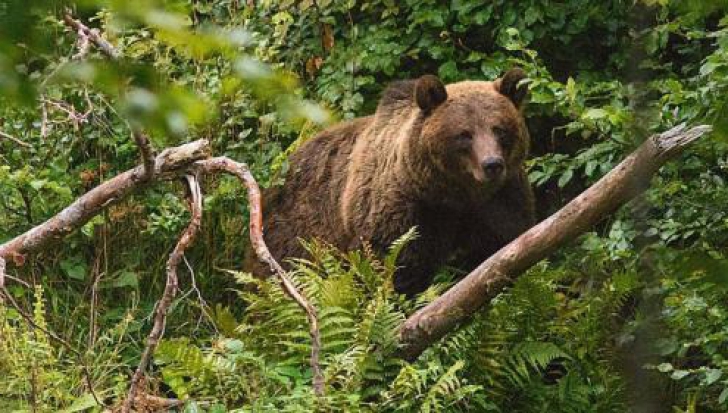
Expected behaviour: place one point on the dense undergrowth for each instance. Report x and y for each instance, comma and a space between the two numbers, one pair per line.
632, 315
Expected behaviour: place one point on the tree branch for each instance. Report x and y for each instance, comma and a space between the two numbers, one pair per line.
170, 289
147, 151
14, 139
85, 34
92, 35
624, 182
241, 171
171, 163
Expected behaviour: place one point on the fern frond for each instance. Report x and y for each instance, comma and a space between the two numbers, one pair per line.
529, 358
390, 260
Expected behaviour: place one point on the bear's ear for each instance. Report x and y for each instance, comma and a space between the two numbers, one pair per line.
508, 86
429, 93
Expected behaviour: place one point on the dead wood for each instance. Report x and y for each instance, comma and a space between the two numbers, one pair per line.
241, 171
624, 182
171, 163
87, 34
170, 289
14, 139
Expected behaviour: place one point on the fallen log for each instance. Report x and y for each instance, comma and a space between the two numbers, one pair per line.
624, 182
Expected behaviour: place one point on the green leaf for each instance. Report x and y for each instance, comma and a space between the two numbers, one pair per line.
679, 374
594, 114
723, 396
192, 407
712, 375
74, 268
37, 183
125, 279
664, 367
565, 178
448, 71
532, 15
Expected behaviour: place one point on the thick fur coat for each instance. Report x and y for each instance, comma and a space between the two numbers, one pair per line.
445, 159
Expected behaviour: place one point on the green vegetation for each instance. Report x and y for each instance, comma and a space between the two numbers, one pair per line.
631, 315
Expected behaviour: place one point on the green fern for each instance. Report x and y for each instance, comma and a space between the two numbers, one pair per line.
528, 360
390, 261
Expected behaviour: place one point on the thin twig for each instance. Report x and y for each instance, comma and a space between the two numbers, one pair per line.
73, 115
17, 280
170, 289
4, 276
200, 299
85, 34
241, 171
14, 139
92, 325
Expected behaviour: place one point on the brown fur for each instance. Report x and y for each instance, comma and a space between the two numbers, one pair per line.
373, 178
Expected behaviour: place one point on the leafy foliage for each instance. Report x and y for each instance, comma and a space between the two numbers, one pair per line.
645, 291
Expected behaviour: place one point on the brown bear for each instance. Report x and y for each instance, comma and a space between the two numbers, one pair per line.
447, 160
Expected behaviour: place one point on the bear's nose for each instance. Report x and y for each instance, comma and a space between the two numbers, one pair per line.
493, 166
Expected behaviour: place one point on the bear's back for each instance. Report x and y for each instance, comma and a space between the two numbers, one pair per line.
307, 206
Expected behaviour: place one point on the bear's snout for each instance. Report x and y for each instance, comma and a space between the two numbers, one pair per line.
493, 166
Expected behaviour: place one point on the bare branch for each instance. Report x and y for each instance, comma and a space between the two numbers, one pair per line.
147, 151
241, 171
14, 139
623, 183
172, 162
85, 34
92, 35
170, 289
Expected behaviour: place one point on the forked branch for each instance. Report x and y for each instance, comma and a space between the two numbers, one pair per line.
170, 289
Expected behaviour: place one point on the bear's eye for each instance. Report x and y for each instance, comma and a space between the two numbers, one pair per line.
463, 140
504, 136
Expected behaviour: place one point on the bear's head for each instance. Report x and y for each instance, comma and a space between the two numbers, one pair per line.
473, 132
